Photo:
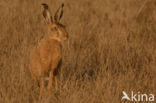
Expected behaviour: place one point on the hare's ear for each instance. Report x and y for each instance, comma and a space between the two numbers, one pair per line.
46, 14
59, 13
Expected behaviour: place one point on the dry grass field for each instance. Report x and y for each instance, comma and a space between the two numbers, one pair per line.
111, 48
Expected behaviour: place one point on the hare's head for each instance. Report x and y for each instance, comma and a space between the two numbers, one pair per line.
56, 29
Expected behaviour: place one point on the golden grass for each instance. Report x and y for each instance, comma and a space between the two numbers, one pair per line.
112, 47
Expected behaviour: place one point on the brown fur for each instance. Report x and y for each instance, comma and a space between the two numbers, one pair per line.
47, 54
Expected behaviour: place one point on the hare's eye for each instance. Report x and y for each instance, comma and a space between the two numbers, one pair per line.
55, 28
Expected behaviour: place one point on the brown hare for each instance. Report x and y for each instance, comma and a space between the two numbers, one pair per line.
47, 54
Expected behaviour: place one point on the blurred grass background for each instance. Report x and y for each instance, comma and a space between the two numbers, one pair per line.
112, 47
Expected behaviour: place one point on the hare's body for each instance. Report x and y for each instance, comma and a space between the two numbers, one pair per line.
47, 54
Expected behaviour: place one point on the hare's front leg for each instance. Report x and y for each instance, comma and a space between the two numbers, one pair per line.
50, 79
56, 85
42, 83
51, 73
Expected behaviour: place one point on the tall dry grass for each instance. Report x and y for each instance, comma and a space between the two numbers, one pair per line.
112, 47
